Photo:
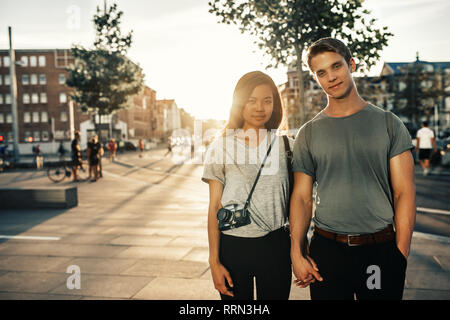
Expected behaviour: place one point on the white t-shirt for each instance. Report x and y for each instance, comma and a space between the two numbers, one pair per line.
425, 134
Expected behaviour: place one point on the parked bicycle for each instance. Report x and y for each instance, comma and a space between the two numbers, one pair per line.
64, 169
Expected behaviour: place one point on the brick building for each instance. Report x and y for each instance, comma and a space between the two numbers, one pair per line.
46, 114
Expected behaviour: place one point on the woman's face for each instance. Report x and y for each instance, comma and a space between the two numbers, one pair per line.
258, 109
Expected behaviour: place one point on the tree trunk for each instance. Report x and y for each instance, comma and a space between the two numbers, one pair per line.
301, 88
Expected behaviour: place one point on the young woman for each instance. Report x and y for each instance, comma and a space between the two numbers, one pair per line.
260, 250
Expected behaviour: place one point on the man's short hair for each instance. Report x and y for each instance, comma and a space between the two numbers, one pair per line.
328, 45
425, 123
77, 133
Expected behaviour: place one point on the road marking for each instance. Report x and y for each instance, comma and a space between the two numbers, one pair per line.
29, 238
438, 211
429, 236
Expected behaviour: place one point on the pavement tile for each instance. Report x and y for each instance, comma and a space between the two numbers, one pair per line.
164, 268
197, 254
428, 247
35, 296
106, 286
201, 241
60, 249
418, 294
83, 229
437, 280
175, 232
33, 263
443, 261
174, 289
105, 266
31, 282
421, 262
130, 231
87, 238
175, 223
143, 240
163, 253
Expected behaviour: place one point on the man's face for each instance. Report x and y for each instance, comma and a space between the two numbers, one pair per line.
333, 74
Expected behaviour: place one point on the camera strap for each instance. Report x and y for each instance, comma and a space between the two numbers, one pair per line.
247, 203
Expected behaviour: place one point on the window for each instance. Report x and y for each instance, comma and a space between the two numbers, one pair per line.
37, 136
1, 99
45, 136
43, 97
27, 136
25, 79
24, 61
2, 118
26, 98
35, 117
8, 98
34, 98
62, 78
42, 79
34, 79
9, 118
63, 116
7, 81
33, 61
62, 97
6, 61
41, 61
26, 117
44, 116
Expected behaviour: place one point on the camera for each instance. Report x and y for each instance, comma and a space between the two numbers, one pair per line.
230, 217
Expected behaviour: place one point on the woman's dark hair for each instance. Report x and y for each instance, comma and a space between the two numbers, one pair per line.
244, 88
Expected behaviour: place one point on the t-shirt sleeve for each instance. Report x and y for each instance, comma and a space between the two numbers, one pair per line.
214, 166
302, 161
401, 139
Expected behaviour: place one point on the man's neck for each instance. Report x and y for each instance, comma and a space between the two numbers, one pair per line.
344, 107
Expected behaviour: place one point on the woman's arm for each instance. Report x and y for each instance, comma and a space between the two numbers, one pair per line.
218, 271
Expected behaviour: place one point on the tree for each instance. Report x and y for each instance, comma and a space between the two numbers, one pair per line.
104, 79
285, 29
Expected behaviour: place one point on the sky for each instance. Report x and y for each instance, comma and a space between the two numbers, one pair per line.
187, 56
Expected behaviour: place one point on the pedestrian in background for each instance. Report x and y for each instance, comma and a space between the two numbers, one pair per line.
256, 249
38, 157
94, 153
76, 155
141, 148
425, 145
112, 148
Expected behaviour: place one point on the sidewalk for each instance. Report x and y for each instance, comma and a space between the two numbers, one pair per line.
140, 233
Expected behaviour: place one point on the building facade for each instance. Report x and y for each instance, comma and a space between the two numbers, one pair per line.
47, 116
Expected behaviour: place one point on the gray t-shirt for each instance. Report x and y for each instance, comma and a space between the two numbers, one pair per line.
233, 163
348, 159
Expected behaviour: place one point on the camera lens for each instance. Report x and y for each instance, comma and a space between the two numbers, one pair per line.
224, 214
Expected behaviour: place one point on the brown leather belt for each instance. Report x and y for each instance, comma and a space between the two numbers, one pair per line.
382, 236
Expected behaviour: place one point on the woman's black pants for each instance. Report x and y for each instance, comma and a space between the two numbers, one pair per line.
267, 259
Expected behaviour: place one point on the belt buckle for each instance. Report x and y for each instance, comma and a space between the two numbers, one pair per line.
348, 239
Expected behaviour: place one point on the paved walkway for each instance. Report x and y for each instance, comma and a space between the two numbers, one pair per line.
140, 233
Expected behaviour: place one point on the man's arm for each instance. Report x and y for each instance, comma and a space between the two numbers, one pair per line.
300, 218
402, 179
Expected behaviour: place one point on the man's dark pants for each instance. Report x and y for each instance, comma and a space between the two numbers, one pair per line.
346, 270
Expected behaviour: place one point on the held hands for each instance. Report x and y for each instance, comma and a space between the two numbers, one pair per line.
220, 274
305, 270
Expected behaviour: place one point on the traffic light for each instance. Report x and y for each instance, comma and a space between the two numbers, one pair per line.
1, 138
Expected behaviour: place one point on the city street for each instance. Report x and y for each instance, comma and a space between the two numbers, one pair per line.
140, 233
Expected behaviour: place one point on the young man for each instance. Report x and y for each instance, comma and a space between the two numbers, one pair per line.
426, 143
365, 184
